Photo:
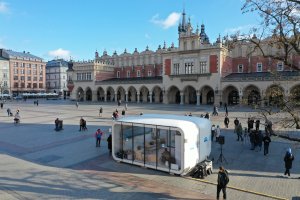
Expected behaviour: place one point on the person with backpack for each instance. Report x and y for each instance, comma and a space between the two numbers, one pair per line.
223, 180
98, 136
288, 160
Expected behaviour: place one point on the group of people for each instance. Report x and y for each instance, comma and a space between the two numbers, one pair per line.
98, 135
82, 125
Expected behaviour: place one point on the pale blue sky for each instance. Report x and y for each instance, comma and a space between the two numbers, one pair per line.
77, 28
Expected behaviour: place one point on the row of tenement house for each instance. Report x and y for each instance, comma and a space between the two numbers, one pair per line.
196, 72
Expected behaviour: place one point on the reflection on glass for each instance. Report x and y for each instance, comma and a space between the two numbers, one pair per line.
138, 143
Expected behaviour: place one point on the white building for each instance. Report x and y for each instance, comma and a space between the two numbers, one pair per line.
4, 76
56, 76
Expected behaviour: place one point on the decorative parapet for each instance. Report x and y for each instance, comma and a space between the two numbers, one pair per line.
140, 80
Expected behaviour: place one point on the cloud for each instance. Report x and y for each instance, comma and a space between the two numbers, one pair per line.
3, 7
170, 21
60, 53
147, 36
239, 29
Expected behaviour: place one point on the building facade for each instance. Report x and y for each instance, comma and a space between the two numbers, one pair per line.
196, 72
56, 77
26, 72
4, 76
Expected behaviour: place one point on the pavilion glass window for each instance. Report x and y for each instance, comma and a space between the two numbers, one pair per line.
146, 145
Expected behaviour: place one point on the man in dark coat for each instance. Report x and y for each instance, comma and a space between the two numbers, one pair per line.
267, 141
223, 180
226, 121
236, 123
257, 122
288, 160
109, 143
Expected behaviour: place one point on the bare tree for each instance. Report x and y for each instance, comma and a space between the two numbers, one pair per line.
278, 29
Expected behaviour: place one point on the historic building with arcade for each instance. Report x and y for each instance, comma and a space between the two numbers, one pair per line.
198, 71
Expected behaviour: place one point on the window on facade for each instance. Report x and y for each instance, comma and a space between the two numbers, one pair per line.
280, 66
23, 85
55, 84
40, 85
128, 74
184, 46
259, 67
161, 71
16, 77
22, 65
149, 73
188, 68
29, 65
83, 76
240, 68
89, 76
4, 75
203, 67
118, 74
28, 85
15, 64
16, 71
16, 85
176, 68
34, 72
28, 78
78, 76
34, 66
34, 78
41, 78
22, 78
34, 85
22, 71
28, 71
5, 83
138, 73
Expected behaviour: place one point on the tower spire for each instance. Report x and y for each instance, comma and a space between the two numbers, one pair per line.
183, 23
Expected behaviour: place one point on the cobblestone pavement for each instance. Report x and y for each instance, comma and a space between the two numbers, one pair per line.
38, 163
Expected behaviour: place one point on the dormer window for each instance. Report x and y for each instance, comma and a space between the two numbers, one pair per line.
259, 67
280, 66
138, 73
118, 74
240, 68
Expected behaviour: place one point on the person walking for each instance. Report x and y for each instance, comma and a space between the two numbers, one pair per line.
288, 160
8, 112
37, 102
239, 132
257, 122
236, 123
260, 139
123, 113
100, 111
77, 104
98, 136
81, 122
109, 143
223, 180
267, 141
218, 133
126, 107
226, 109
226, 121
1, 105
213, 132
